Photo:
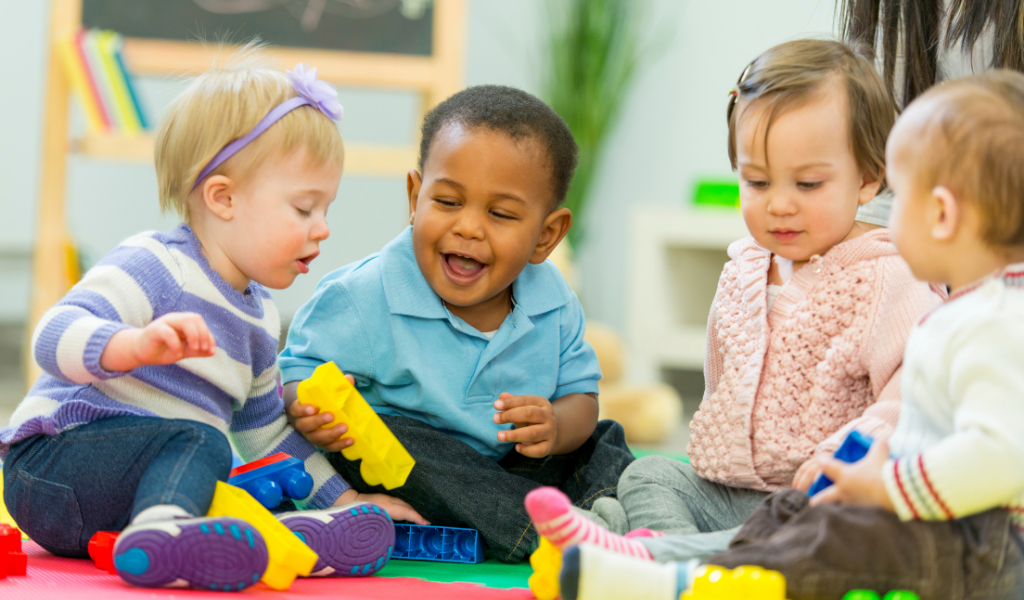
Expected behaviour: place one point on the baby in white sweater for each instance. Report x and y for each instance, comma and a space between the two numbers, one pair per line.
938, 508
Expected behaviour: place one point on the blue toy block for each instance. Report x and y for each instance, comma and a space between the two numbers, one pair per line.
271, 483
854, 448
439, 544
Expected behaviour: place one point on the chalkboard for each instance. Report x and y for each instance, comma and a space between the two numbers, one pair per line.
388, 26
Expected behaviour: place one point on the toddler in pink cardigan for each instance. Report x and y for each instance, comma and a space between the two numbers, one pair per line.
807, 329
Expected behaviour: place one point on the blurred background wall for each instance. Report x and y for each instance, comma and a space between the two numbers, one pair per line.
671, 132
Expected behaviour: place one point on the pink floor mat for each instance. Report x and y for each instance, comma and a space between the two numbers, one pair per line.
52, 578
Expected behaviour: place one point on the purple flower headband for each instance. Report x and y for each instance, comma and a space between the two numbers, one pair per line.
310, 91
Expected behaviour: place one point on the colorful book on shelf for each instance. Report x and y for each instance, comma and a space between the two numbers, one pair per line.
108, 43
91, 49
129, 84
97, 71
82, 85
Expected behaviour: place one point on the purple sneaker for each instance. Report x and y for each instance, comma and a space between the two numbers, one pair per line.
351, 541
210, 553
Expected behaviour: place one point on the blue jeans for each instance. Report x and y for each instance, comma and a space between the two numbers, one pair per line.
455, 486
62, 489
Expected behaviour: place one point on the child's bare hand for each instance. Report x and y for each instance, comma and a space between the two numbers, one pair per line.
310, 422
534, 418
172, 337
399, 510
808, 472
857, 484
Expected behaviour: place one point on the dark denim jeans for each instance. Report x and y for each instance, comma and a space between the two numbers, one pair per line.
454, 485
62, 489
827, 550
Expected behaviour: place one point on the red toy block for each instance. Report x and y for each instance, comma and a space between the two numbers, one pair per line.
256, 464
17, 563
12, 560
101, 550
10, 539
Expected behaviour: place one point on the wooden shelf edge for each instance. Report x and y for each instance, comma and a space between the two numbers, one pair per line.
360, 159
166, 57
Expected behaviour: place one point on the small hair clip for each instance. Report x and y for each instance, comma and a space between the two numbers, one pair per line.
319, 93
734, 93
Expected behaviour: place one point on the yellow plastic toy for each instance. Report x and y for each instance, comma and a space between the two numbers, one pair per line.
546, 561
385, 460
742, 583
289, 557
5, 517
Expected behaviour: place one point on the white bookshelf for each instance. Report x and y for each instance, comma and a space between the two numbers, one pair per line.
675, 258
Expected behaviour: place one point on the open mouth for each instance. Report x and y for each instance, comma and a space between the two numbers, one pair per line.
303, 263
462, 269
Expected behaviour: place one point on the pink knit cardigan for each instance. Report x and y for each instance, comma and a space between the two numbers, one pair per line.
782, 387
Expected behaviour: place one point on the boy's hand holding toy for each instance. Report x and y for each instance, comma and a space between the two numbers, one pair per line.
308, 421
859, 483
172, 337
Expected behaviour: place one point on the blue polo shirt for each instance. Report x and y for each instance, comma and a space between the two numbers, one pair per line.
379, 321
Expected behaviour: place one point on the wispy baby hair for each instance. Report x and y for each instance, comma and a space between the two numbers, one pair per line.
969, 138
224, 104
789, 74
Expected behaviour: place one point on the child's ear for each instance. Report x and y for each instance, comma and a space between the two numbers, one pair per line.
944, 214
869, 187
413, 181
217, 193
556, 225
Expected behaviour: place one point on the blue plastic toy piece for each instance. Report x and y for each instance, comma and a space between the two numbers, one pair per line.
439, 544
854, 448
271, 483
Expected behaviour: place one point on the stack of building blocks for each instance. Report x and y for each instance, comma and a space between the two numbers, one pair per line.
742, 583
12, 560
271, 479
101, 550
385, 461
289, 557
439, 544
546, 561
853, 448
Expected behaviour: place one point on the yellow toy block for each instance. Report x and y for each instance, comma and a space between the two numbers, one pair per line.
385, 461
5, 517
742, 583
546, 561
289, 557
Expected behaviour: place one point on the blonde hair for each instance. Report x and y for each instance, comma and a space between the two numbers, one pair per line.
224, 104
789, 74
972, 142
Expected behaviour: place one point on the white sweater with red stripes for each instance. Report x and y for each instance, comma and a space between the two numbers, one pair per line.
958, 448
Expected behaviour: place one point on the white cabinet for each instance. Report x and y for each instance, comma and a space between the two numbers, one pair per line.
675, 258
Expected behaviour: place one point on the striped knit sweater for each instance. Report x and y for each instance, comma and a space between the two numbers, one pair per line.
237, 390
958, 446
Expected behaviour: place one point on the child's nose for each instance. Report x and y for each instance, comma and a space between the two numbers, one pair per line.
320, 231
781, 203
469, 225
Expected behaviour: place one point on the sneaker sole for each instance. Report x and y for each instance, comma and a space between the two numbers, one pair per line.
223, 554
354, 541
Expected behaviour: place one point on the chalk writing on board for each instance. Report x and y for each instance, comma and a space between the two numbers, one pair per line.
309, 12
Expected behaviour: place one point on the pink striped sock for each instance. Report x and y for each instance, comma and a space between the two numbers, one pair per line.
554, 518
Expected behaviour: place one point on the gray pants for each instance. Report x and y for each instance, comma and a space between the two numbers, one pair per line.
700, 517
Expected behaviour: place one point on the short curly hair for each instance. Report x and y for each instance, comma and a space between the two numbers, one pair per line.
515, 113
